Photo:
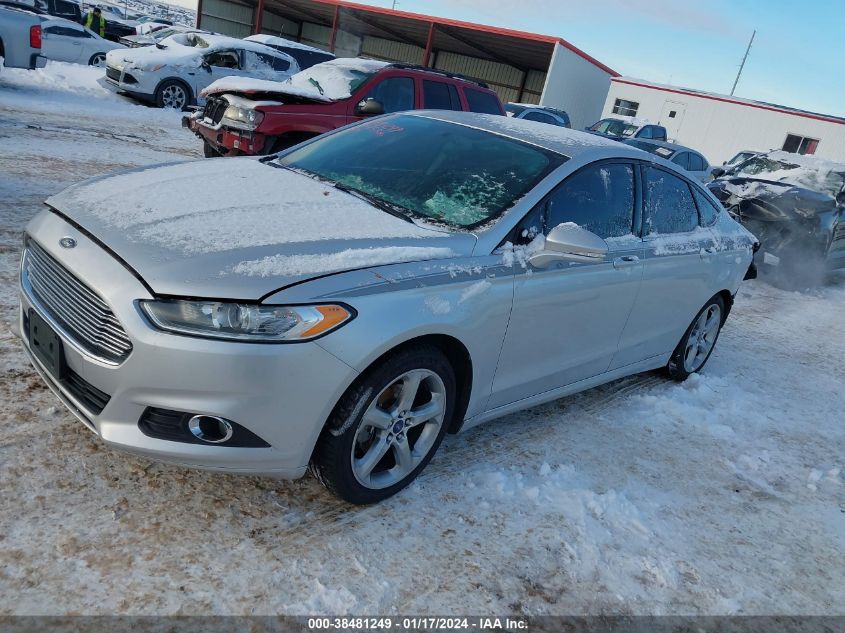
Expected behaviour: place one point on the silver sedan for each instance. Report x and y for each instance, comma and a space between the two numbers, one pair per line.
344, 304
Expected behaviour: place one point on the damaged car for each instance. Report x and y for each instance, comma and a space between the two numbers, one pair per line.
794, 204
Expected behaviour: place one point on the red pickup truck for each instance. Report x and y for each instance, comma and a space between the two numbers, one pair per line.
244, 116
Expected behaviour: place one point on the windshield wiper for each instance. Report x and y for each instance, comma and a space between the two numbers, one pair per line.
316, 84
384, 205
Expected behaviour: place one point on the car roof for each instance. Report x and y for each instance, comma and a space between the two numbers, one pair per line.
673, 146
561, 140
216, 41
263, 38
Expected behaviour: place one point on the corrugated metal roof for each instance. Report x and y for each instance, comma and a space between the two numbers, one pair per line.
517, 48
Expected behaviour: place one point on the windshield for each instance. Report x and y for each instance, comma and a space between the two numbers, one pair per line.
614, 127
335, 79
821, 180
426, 168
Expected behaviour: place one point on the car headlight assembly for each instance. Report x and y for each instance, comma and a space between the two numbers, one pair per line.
244, 118
246, 322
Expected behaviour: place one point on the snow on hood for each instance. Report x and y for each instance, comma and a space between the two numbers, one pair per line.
330, 81
820, 175
240, 228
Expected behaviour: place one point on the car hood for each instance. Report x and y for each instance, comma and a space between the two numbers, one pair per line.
241, 228
147, 56
770, 201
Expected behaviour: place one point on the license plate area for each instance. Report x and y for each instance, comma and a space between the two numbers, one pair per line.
46, 346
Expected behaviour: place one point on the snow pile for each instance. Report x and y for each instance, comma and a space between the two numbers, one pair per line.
349, 259
330, 81
60, 77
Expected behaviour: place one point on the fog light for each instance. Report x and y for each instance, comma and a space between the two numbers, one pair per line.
210, 428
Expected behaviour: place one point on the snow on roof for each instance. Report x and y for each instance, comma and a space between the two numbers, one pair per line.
552, 137
330, 81
272, 40
809, 161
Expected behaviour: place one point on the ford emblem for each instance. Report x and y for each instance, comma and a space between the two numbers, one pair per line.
67, 242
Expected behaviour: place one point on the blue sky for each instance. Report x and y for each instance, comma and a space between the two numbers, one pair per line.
798, 56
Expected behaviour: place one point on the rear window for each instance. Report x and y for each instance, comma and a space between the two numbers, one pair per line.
427, 168
483, 102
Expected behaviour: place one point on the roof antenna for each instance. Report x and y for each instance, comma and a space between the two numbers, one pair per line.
742, 65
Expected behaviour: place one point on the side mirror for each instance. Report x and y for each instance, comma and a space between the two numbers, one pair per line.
840, 197
716, 172
569, 242
206, 65
369, 107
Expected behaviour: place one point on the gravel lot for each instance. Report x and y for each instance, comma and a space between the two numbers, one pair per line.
722, 495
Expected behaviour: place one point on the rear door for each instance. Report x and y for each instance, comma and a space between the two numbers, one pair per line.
440, 95
678, 271
567, 318
63, 42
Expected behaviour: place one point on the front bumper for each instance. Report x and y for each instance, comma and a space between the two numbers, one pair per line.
134, 82
282, 393
227, 141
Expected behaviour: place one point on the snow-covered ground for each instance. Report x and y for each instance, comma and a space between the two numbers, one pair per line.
721, 495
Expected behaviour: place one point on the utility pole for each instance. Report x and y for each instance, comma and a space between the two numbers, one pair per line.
394, 5
742, 65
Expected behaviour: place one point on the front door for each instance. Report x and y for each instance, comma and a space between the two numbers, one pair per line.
672, 117
567, 318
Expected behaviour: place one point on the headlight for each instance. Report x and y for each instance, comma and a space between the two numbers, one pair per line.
246, 322
244, 118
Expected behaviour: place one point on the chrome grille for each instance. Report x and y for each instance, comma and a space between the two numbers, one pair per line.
81, 313
113, 73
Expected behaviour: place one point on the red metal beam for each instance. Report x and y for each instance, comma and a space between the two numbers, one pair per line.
428, 43
199, 13
334, 27
259, 17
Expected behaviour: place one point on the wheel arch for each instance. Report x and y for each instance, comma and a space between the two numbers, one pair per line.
728, 300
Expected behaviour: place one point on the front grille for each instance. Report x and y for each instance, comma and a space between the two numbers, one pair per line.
214, 109
113, 73
81, 313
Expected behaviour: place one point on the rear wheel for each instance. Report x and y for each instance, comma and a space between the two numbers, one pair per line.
387, 426
208, 150
97, 59
698, 341
172, 93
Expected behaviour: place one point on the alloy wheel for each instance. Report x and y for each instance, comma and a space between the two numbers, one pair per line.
173, 96
399, 429
702, 338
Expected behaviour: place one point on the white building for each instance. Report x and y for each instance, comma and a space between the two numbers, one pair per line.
719, 126
519, 66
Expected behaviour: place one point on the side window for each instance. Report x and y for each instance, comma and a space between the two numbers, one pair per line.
658, 133
707, 209
599, 198
696, 162
395, 94
262, 62
66, 9
483, 102
436, 95
455, 98
533, 115
223, 59
681, 159
645, 132
669, 205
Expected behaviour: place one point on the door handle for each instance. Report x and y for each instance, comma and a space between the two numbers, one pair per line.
625, 261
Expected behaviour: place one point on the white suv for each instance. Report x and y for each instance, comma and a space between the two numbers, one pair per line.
173, 73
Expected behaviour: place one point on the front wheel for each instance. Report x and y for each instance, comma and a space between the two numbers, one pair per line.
173, 94
698, 341
97, 59
387, 426
208, 150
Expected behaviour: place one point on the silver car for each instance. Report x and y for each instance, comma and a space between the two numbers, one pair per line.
346, 303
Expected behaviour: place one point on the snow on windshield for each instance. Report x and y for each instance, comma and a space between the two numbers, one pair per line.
329, 81
809, 172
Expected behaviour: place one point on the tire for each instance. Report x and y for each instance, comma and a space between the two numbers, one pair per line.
699, 339
172, 93
370, 449
97, 59
208, 150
